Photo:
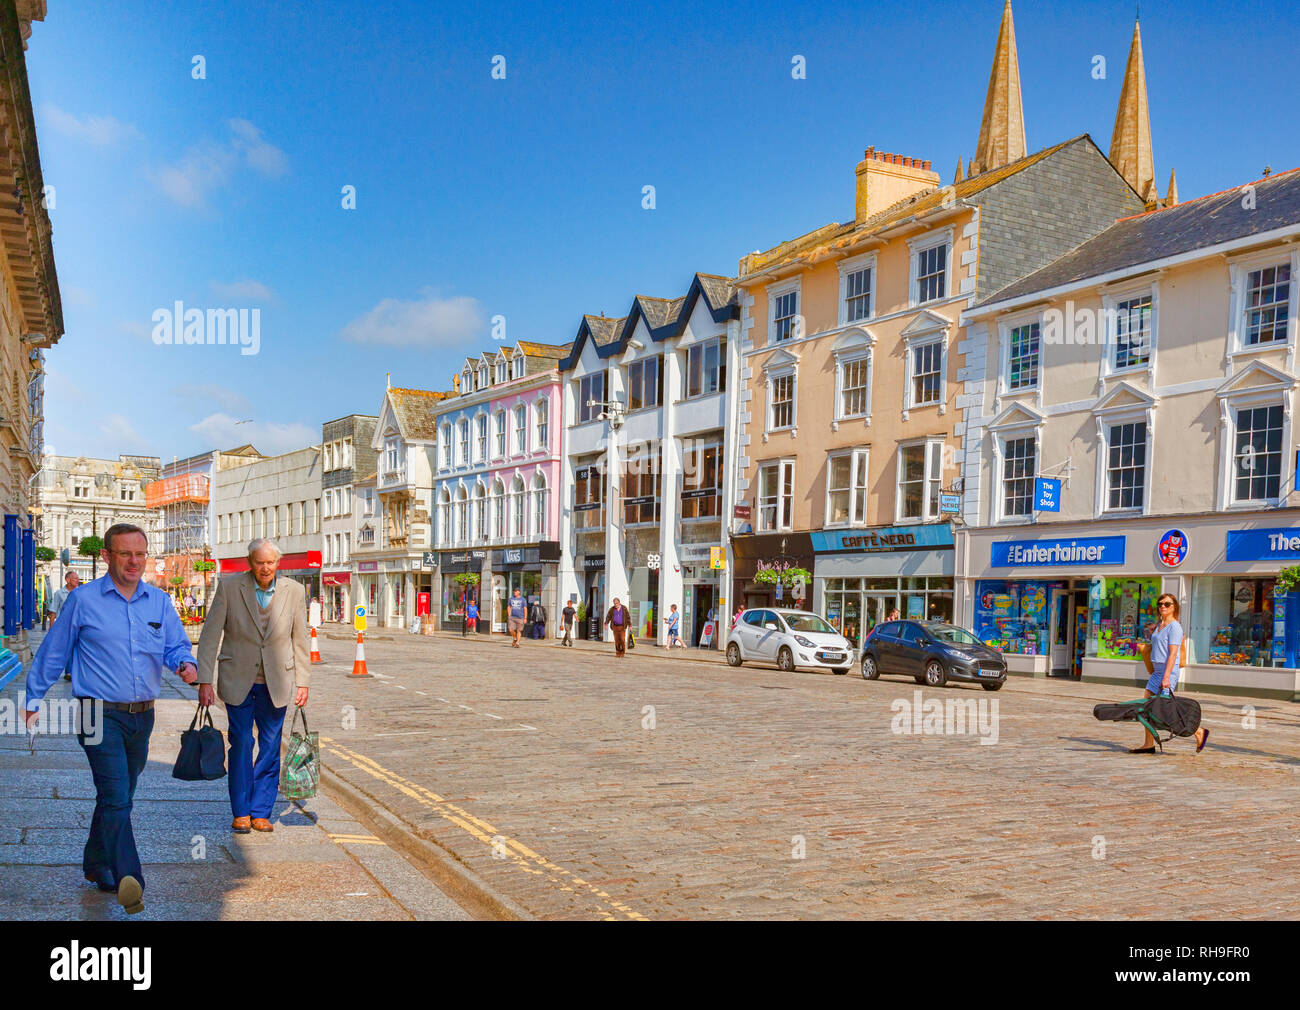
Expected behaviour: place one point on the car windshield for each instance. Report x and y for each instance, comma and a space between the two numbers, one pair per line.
809, 622
952, 634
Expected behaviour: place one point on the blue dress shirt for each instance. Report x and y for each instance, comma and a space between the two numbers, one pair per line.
264, 595
114, 648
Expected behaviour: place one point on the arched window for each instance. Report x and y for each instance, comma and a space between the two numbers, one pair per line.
518, 509
480, 512
444, 517
541, 498
76, 534
462, 515
521, 429
542, 418
499, 509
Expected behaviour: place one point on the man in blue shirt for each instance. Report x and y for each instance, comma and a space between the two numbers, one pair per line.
115, 634
516, 615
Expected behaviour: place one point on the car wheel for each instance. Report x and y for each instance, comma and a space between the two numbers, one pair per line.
733, 655
869, 669
993, 687
935, 676
785, 659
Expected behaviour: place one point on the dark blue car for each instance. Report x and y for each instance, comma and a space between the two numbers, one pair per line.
932, 653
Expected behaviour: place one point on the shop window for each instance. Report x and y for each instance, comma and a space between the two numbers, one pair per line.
1232, 622
1121, 613
1013, 616
702, 482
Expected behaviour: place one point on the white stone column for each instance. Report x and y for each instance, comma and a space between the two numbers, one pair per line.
670, 521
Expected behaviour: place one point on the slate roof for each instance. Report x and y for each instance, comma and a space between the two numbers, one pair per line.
414, 411
1158, 234
833, 236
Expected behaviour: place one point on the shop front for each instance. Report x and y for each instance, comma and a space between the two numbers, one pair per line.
336, 588
591, 605
461, 585
863, 575
765, 552
1060, 601
702, 591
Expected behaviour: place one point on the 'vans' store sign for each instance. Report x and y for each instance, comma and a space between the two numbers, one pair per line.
1074, 551
1264, 545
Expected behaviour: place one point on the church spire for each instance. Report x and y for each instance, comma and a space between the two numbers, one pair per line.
1130, 145
1002, 130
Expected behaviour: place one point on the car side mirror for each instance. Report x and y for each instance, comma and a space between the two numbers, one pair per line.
769, 626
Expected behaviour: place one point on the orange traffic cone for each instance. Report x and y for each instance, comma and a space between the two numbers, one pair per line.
315, 648
359, 664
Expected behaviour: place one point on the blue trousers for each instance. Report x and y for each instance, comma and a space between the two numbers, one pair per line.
253, 784
115, 763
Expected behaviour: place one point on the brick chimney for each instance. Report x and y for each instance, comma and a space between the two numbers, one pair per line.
884, 179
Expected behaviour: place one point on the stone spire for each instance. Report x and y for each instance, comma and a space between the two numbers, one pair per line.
960, 174
1002, 130
1171, 195
1130, 144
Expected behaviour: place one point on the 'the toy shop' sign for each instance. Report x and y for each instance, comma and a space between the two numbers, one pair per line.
1172, 548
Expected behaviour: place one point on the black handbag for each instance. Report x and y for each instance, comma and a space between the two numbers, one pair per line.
203, 752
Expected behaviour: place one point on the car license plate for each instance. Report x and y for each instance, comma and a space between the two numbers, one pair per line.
830, 657
990, 673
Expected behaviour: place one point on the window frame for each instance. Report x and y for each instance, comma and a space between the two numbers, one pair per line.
697, 447
775, 292
849, 268
586, 384
1239, 270
520, 428
923, 244
636, 381
783, 518
542, 423
773, 372
859, 474
702, 347
929, 444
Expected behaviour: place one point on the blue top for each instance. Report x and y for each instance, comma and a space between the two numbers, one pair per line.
673, 618
1164, 639
264, 595
518, 606
114, 648
472, 611
58, 599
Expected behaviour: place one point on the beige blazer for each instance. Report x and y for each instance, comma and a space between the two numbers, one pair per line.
233, 648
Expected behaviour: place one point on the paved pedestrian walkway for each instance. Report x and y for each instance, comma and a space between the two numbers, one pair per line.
320, 863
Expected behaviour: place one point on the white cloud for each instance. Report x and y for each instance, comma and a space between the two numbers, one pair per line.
221, 431
117, 430
74, 295
245, 290
428, 322
228, 399
209, 165
99, 131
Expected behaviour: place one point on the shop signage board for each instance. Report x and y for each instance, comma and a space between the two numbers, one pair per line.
1279, 625
1272, 544
1064, 551
886, 538
430, 559
1047, 494
949, 504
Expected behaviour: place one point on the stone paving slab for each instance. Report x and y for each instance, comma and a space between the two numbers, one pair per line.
195, 866
758, 794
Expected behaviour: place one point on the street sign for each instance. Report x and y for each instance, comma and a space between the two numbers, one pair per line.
359, 617
430, 560
742, 511
949, 504
1047, 494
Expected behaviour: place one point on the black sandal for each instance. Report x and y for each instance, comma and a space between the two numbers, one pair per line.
1142, 750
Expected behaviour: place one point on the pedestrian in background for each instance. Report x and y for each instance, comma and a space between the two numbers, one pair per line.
567, 616
619, 620
537, 614
674, 622
516, 615
116, 635
71, 580
736, 616
471, 615
254, 645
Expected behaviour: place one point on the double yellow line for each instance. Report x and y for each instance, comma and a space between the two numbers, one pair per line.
520, 856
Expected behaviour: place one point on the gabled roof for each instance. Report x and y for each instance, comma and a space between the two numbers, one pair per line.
831, 238
413, 412
1159, 234
663, 317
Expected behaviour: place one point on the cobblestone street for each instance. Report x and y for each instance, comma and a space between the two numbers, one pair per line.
578, 786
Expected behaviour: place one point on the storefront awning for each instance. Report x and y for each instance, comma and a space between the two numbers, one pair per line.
288, 562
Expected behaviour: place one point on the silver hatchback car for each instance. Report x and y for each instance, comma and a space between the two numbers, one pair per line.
792, 639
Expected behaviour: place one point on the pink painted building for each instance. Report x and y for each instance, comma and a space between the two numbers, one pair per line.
500, 447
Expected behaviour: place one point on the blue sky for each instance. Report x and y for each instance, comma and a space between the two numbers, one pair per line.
520, 197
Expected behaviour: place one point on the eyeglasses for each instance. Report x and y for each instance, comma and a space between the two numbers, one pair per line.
131, 555
1165, 603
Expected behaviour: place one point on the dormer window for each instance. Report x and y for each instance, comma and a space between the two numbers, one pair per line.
483, 377
518, 366
501, 370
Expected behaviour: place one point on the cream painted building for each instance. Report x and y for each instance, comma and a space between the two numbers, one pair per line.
1153, 371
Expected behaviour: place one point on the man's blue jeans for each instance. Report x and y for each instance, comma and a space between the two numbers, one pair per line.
253, 784
115, 763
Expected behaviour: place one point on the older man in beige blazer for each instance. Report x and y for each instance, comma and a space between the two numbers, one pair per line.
254, 641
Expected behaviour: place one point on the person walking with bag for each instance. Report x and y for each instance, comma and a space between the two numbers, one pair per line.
254, 646
537, 614
115, 634
619, 620
1166, 650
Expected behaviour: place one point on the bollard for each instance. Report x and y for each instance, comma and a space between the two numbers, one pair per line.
315, 648
359, 664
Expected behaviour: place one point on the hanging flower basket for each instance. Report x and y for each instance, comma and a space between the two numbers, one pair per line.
1289, 578
467, 579
785, 576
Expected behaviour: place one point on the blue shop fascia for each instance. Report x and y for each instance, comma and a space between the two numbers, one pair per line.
1077, 599
863, 574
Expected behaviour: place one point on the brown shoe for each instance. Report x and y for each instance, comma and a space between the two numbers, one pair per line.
262, 824
240, 825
